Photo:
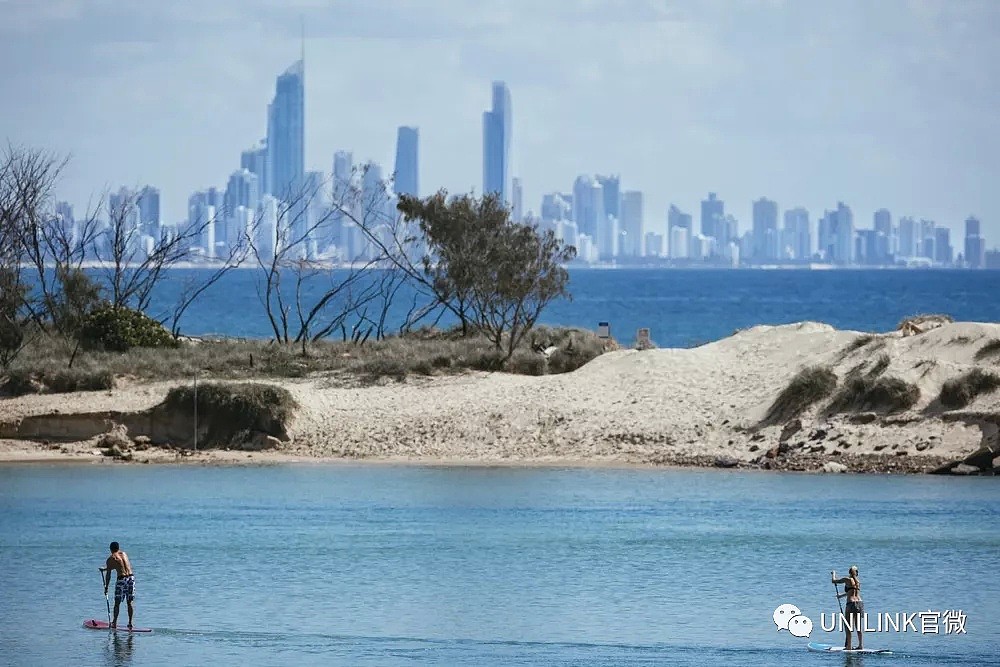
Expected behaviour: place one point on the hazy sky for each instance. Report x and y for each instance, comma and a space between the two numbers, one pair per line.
879, 103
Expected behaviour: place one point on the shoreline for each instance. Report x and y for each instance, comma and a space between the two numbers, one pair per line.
712, 406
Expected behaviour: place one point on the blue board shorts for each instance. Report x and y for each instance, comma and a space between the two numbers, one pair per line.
125, 589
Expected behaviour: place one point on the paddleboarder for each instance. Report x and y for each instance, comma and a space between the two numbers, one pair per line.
855, 611
124, 583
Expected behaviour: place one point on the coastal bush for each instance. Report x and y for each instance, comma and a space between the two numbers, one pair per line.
861, 393
960, 391
809, 385
879, 366
121, 329
231, 410
989, 350
44, 356
22, 381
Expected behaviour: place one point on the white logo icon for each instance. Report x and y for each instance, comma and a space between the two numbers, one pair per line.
783, 614
789, 617
800, 626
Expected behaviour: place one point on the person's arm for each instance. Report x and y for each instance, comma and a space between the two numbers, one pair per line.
107, 575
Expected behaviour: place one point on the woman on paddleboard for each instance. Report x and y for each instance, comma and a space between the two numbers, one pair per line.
855, 611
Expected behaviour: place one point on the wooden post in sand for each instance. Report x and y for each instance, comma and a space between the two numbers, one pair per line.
196, 410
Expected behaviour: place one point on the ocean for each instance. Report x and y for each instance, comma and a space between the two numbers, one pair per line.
346, 564
682, 308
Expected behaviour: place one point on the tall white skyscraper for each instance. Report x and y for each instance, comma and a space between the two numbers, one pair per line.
496, 143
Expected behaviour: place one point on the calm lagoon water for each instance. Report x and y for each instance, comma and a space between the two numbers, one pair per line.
386, 565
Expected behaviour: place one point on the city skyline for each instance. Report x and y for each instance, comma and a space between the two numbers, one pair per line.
936, 152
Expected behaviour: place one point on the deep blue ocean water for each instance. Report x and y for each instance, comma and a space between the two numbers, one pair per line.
390, 565
682, 308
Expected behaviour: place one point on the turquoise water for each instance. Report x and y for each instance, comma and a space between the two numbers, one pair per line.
385, 565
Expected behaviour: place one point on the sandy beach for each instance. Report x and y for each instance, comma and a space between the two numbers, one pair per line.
700, 406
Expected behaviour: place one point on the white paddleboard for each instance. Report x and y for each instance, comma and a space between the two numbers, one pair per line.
830, 648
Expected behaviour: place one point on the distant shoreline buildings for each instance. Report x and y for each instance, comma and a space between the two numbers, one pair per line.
273, 197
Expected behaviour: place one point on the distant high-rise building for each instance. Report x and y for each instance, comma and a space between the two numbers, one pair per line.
678, 219
556, 206
943, 252
588, 205
631, 224
517, 200
836, 235
405, 179
907, 241
611, 187
243, 189
148, 201
975, 245
680, 242
286, 135
254, 160
713, 212
497, 126
765, 229
926, 241
883, 235
799, 234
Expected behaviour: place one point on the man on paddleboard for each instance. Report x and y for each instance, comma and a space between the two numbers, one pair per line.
124, 584
855, 610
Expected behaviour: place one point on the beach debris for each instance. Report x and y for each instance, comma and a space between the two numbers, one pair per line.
833, 467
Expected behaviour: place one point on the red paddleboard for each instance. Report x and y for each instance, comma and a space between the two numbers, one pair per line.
94, 624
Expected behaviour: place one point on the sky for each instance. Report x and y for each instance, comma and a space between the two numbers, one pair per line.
885, 103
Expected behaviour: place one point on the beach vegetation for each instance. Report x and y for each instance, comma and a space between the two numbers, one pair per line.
959, 392
990, 350
42, 365
867, 393
808, 386
231, 412
495, 275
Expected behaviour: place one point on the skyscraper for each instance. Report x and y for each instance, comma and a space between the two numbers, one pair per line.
907, 237
496, 143
631, 224
405, 182
883, 235
611, 187
713, 211
588, 205
975, 246
286, 134
797, 228
149, 209
765, 229
254, 160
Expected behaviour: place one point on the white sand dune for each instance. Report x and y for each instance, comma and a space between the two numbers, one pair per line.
654, 406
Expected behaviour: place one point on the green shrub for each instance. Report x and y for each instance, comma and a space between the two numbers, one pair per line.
488, 360
991, 349
527, 363
23, 381
379, 367
879, 394
68, 380
231, 410
880, 365
809, 385
121, 329
960, 391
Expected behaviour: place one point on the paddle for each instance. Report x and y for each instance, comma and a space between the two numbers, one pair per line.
833, 575
107, 602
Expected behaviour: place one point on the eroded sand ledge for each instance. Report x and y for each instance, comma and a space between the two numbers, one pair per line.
698, 406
